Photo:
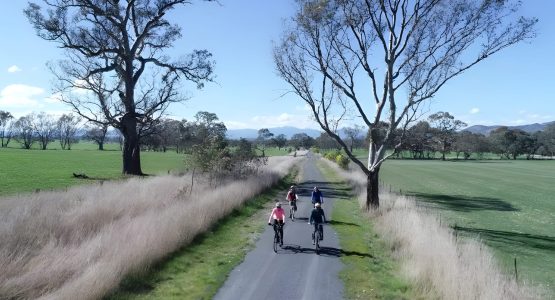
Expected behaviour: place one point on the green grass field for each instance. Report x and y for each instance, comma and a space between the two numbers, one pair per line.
29, 170
510, 205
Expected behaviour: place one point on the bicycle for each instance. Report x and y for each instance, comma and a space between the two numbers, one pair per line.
278, 237
292, 209
317, 236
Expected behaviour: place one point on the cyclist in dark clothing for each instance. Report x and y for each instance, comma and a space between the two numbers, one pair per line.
317, 218
317, 196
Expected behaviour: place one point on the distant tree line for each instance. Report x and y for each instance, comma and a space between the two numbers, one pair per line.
440, 134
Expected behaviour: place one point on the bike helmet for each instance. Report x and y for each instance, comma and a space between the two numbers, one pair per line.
317, 204
278, 204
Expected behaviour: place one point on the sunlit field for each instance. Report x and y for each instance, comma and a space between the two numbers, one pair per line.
438, 260
29, 170
509, 205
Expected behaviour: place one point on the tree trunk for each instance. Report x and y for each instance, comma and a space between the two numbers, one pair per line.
131, 150
372, 190
101, 146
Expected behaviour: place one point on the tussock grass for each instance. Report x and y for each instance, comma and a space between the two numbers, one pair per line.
439, 264
81, 243
370, 270
198, 270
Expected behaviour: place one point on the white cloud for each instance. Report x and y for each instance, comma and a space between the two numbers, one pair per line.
303, 108
54, 98
474, 110
22, 99
20, 96
78, 89
14, 69
283, 119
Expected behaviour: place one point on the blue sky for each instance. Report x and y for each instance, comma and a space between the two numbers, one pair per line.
517, 86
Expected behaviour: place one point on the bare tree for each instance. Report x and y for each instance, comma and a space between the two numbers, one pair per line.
24, 131
97, 134
45, 128
67, 126
446, 127
5, 128
334, 50
115, 72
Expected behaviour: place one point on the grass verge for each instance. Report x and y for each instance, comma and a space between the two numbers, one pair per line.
198, 270
370, 272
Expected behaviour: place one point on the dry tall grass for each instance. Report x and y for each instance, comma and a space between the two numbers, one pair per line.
440, 265
81, 243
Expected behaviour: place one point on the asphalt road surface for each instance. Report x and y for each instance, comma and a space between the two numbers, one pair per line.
295, 271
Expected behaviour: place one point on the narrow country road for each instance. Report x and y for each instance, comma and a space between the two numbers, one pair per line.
296, 271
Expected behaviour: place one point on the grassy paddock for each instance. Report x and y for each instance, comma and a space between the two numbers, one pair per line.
509, 205
439, 264
198, 270
370, 272
29, 170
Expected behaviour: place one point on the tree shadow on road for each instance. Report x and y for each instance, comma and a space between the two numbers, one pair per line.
305, 189
324, 251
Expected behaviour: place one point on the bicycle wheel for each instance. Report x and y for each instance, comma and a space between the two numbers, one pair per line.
292, 213
281, 236
317, 241
276, 241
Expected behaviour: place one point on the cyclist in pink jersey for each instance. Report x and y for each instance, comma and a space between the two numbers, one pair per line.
278, 216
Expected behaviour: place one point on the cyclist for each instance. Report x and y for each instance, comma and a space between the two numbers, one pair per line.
317, 218
317, 196
292, 197
278, 216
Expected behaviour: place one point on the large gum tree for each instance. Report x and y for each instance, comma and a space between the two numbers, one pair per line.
115, 71
379, 60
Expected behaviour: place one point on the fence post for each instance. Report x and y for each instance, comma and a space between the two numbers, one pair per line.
516, 271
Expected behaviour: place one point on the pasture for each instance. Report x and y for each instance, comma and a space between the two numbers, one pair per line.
509, 205
29, 170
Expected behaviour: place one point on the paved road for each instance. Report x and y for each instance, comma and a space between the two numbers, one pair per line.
295, 272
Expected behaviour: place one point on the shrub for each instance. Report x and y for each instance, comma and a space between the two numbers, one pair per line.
332, 155
342, 161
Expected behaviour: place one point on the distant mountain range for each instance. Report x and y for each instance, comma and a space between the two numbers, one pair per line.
288, 131
485, 130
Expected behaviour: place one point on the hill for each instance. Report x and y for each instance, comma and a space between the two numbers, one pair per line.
288, 131
530, 128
